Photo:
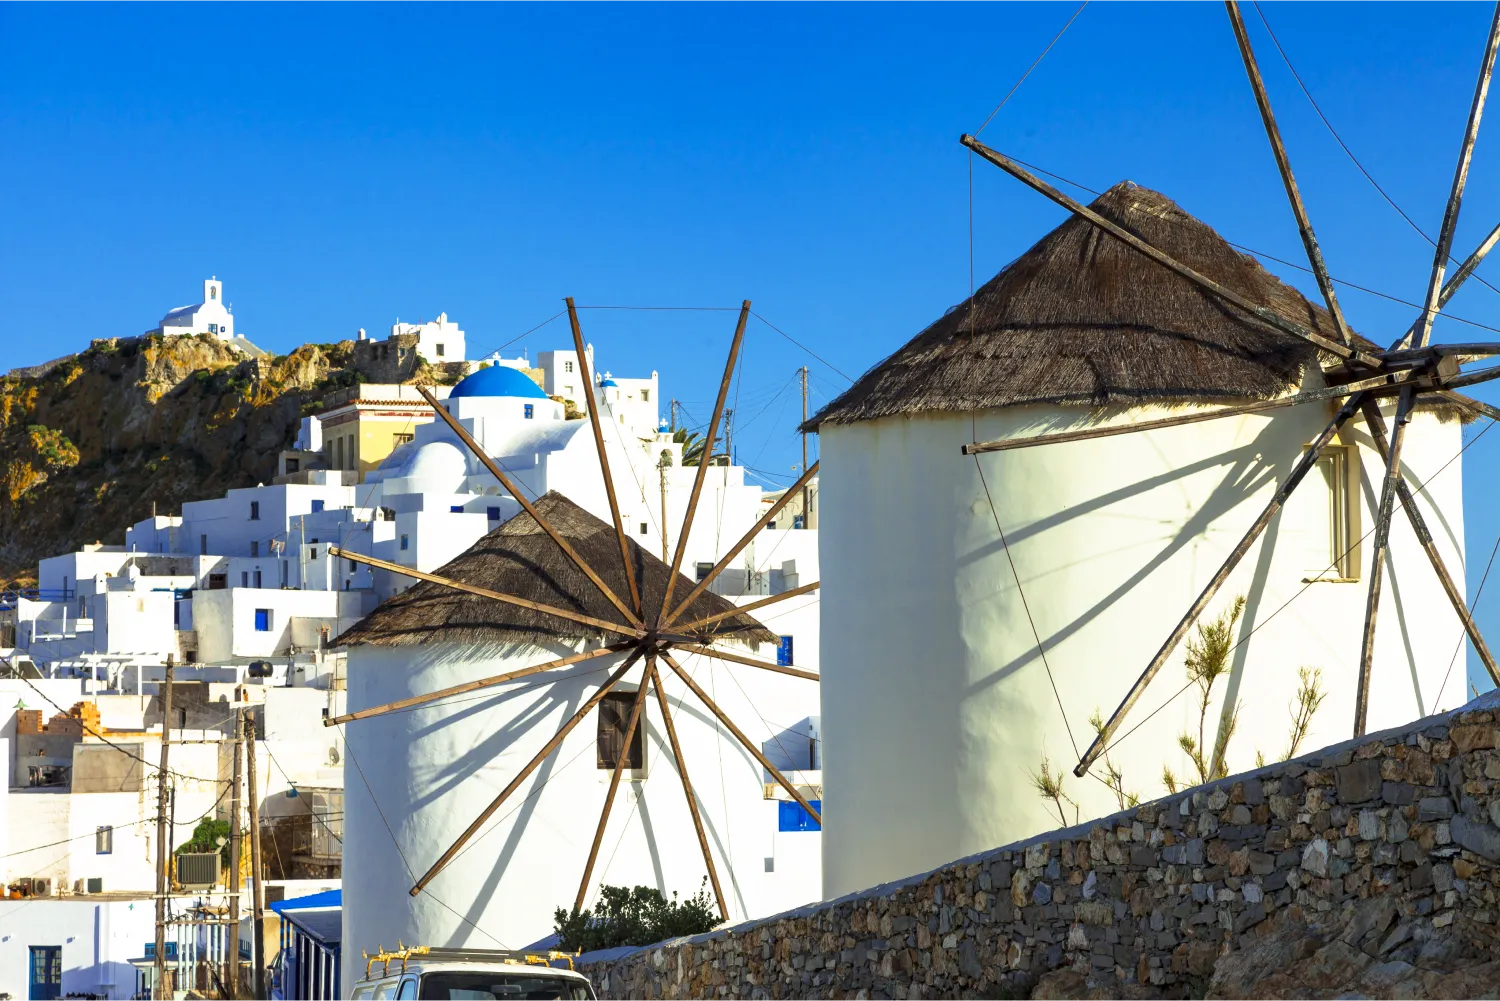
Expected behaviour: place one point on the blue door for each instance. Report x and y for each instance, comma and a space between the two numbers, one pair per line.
46, 972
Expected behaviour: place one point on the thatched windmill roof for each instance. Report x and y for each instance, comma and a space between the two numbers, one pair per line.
1081, 318
519, 559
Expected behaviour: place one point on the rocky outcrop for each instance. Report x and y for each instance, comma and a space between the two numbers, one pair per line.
92, 441
1364, 870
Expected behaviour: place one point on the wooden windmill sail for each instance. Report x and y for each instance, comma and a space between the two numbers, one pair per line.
556, 572
1359, 373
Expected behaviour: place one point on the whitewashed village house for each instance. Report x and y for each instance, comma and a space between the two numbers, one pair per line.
1112, 539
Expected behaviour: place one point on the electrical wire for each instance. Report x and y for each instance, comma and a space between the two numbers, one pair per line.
1011, 93
1307, 584
1437, 699
1345, 146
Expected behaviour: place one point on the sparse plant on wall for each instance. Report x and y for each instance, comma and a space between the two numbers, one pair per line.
1208, 661
1112, 775
1050, 787
1310, 695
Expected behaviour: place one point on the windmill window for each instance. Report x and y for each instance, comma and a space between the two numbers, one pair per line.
703, 570
645, 529
1322, 518
614, 720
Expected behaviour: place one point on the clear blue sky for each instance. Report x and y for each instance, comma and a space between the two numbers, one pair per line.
342, 165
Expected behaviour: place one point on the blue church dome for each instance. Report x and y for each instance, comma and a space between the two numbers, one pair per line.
497, 380
608, 383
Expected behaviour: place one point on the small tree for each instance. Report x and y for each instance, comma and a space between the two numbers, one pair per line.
1207, 661
1050, 787
634, 916
1113, 777
1310, 695
206, 839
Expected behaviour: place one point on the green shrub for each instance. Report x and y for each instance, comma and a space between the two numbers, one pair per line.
206, 839
638, 916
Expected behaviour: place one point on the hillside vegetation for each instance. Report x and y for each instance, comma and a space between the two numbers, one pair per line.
89, 446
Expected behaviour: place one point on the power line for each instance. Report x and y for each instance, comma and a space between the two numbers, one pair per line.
817, 357
1034, 65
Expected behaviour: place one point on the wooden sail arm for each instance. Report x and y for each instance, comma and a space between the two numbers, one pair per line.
484, 592
1444, 246
734, 658
1377, 560
706, 459
1380, 385
739, 734
1284, 166
738, 547
530, 767
1375, 421
687, 786
614, 786
526, 505
1264, 315
473, 686
1298, 472
609, 481
697, 624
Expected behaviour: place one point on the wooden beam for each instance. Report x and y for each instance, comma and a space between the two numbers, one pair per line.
1422, 356
1444, 246
687, 786
697, 624
704, 461
1284, 165
739, 734
1298, 472
484, 592
1376, 423
1267, 316
1452, 285
738, 547
1472, 405
1379, 384
474, 686
531, 766
609, 481
734, 658
515, 491
1377, 560
614, 786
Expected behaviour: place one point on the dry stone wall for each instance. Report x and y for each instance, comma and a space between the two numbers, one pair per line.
1383, 850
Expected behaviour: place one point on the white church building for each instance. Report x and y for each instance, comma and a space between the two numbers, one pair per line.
210, 316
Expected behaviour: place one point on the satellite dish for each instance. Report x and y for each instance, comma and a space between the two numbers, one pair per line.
333, 755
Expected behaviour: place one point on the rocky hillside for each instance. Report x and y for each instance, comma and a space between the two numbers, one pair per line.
91, 443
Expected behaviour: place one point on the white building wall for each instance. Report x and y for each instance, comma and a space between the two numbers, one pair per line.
439, 766
226, 619
925, 635
98, 940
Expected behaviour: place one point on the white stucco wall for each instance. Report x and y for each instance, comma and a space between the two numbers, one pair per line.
434, 769
98, 940
937, 711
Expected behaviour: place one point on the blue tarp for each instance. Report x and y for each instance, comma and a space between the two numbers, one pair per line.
328, 898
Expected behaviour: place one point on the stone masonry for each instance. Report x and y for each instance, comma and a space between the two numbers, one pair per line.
1387, 845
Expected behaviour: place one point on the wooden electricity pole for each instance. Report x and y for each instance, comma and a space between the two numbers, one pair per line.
235, 840
728, 440
163, 840
257, 867
806, 511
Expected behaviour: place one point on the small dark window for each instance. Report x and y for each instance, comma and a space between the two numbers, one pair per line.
614, 719
493, 513
403, 542
703, 569
254, 548
456, 509
104, 840
257, 578
244, 578
317, 506
255, 510
293, 465
644, 528
439, 349
203, 545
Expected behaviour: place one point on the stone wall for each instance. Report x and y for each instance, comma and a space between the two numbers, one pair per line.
1375, 858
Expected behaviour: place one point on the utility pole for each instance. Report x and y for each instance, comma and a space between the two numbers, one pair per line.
728, 438
673, 411
163, 836
257, 952
806, 511
662, 465
235, 839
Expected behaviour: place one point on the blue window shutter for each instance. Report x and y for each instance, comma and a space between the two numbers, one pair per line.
784, 652
791, 817
317, 506
456, 509
493, 513
262, 620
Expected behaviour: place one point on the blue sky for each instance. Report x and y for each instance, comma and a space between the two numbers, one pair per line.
342, 165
